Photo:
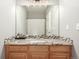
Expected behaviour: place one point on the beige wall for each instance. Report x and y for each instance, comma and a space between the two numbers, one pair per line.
69, 17
7, 22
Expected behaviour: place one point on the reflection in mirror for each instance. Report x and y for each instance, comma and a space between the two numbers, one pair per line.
37, 19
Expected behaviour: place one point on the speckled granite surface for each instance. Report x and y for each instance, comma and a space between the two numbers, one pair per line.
38, 42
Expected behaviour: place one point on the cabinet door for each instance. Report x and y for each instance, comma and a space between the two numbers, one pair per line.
38, 55
38, 52
14, 55
59, 56
60, 52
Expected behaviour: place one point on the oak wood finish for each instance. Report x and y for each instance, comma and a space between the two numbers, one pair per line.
38, 52
16, 52
60, 52
17, 55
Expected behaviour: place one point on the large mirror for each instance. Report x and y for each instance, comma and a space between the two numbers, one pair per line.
37, 19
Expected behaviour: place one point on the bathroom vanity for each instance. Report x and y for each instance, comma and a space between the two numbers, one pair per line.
38, 51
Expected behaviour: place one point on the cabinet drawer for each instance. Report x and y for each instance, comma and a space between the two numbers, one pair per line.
59, 54
60, 48
17, 48
38, 53
38, 48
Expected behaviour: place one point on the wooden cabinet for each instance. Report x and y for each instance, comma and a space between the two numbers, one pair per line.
16, 52
17, 55
60, 52
59, 55
38, 52
38, 55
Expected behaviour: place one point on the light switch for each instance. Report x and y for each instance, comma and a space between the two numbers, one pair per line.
67, 27
77, 26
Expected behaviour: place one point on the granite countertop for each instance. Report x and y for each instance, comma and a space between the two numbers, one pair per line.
38, 42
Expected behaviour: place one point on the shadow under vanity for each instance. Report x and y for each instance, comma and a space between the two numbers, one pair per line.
37, 32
